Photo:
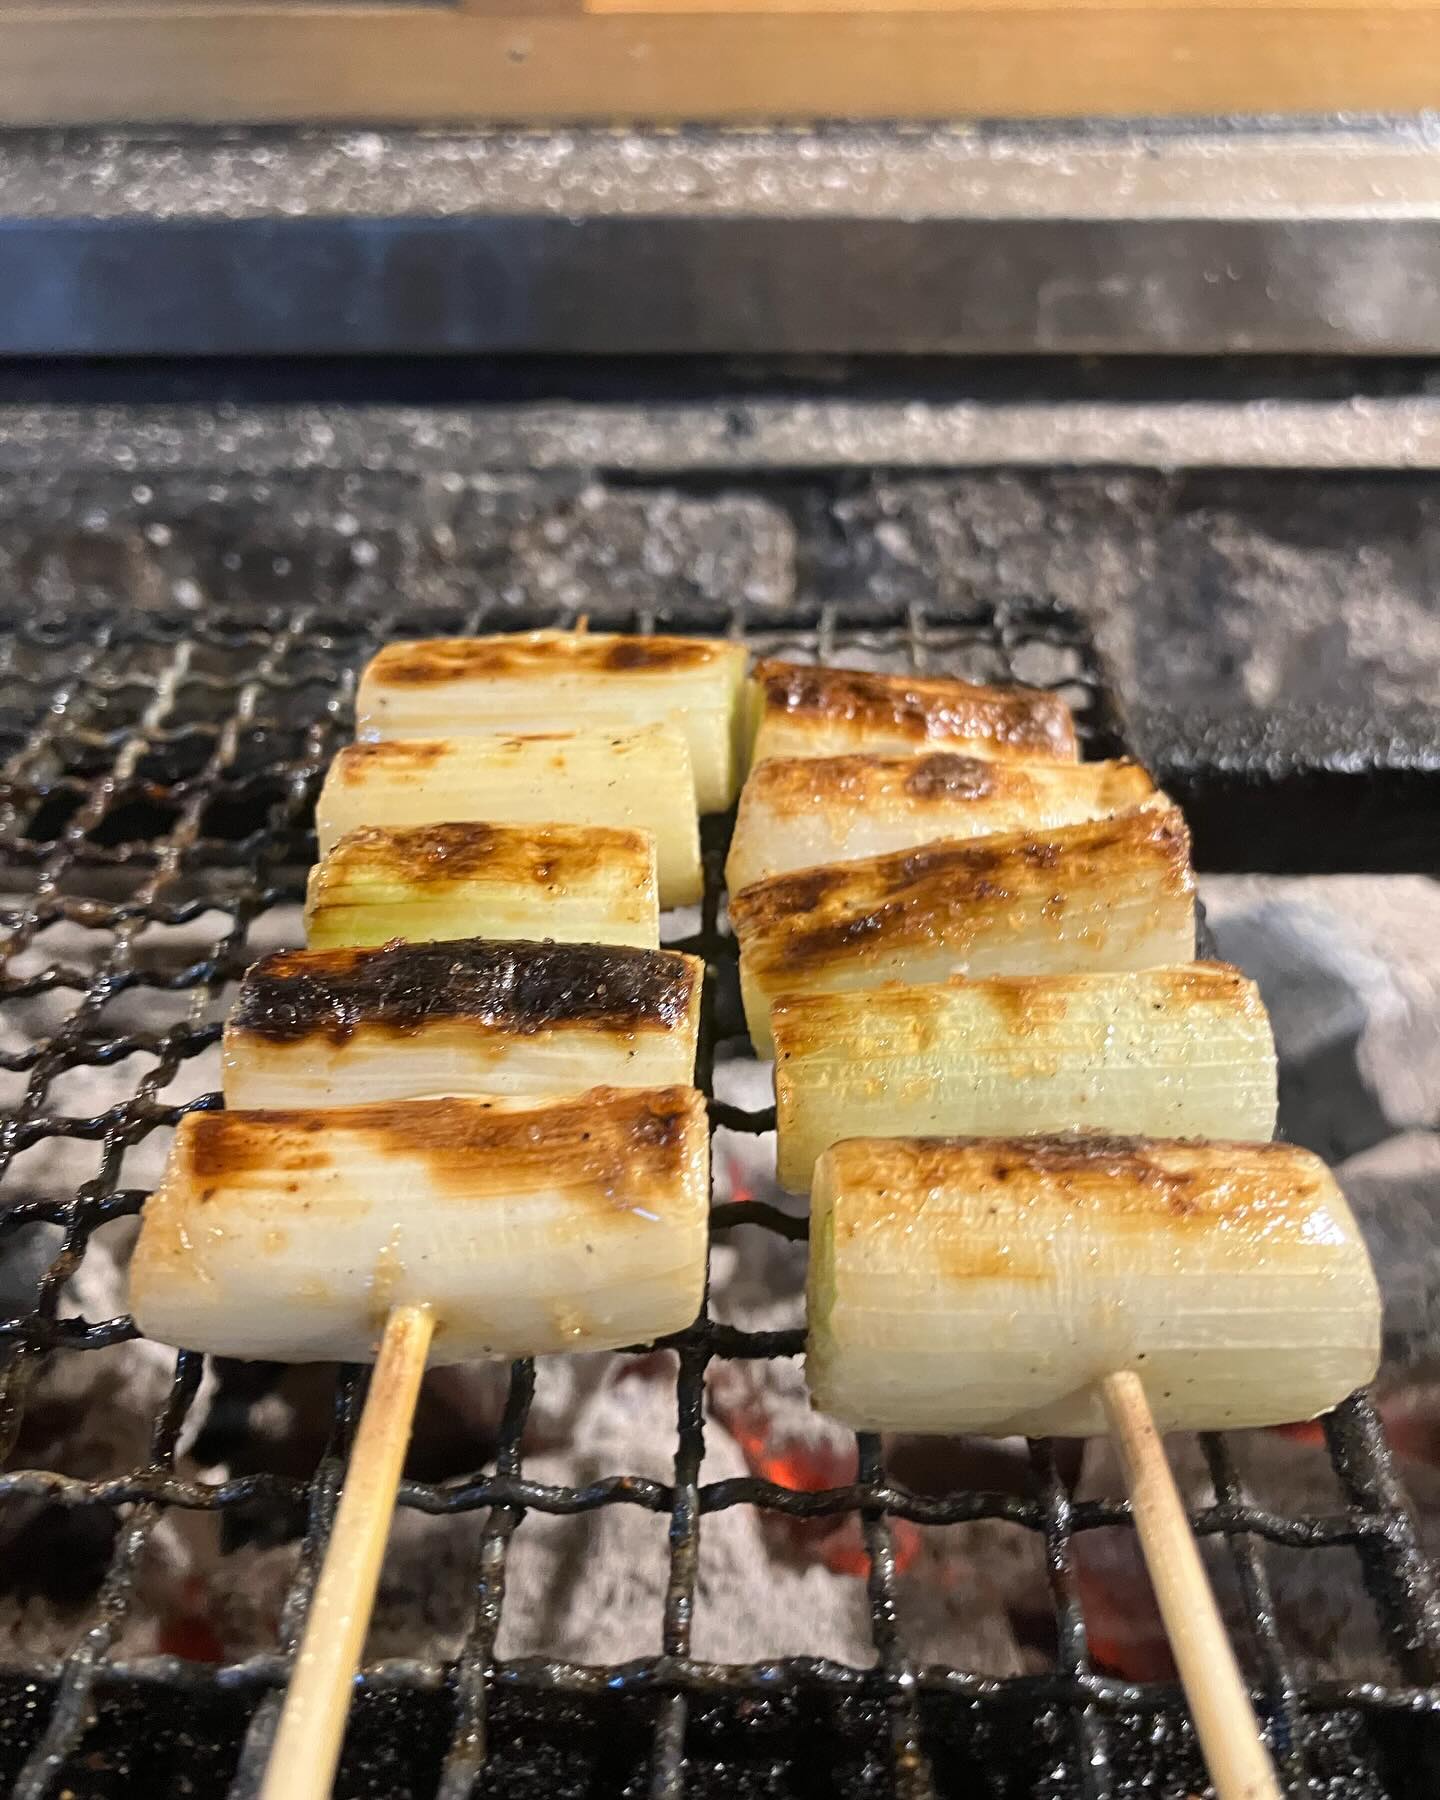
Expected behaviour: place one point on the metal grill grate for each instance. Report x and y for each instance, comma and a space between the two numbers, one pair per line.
159, 772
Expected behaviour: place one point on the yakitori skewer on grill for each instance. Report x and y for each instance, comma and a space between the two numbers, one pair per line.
522, 1225
429, 1230
1074, 1285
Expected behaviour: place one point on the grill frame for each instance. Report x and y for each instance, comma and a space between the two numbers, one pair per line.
210, 702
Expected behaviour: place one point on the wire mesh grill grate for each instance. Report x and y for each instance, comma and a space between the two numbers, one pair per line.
158, 778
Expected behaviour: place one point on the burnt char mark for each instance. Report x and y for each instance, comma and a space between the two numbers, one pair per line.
1023, 717
435, 660
513, 986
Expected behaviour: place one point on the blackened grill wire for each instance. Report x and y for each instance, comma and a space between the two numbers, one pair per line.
284, 684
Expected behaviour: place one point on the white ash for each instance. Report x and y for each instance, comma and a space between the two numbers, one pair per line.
1347, 968
1394, 1189
1327, 1622
91, 1415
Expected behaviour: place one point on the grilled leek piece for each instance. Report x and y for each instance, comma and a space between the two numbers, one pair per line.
800, 710
579, 884
638, 780
344, 1027
1184, 1052
987, 1285
1098, 898
800, 812
526, 681
574, 1224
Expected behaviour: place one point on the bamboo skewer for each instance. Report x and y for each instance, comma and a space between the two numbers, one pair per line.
1225, 1722
307, 1744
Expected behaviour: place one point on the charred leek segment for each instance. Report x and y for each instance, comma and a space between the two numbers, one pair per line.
798, 710
800, 812
638, 780
1182, 1052
575, 1224
987, 1285
1086, 899
526, 681
329, 1028
575, 883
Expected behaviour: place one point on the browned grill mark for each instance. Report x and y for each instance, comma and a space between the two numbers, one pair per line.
960, 1257
435, 660
658, 655
426, 856
945, 775
1208, 981
795, 922
613, 1148
1135, 1183
1028, 1004
224, 1144
805, 1024
617, 1148
938, 777
512, 985
920, 709
355, 762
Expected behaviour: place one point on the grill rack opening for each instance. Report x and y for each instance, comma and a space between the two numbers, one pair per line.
160, 767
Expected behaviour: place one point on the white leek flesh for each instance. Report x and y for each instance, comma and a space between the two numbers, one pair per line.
578, 884
797, 709
988, 1285
528, 1227
520, 682
802, 812
1184, 1052
324, 1028
1105, 897
640, 781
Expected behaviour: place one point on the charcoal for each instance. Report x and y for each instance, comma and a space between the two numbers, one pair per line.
1395, 1191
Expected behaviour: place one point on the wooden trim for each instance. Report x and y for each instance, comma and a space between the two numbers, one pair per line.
401, 64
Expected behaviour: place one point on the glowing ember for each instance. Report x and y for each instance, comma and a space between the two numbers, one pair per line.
1123, 1627
739, 1184
1307, 1431
812, 1468
188, 1632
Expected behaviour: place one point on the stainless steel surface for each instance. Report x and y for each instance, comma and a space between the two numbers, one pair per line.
1361, 432
1355, 168
848, 240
